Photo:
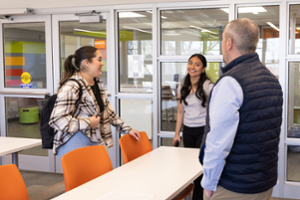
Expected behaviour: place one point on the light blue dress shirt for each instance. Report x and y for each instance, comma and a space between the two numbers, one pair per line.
226, 100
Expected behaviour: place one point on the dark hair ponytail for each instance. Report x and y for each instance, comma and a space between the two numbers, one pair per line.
85, 52
186, 87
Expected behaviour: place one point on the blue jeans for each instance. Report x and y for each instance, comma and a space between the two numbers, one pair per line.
77, 141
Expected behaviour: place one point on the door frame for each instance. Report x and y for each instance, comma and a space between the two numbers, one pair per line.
39, 163
110, 70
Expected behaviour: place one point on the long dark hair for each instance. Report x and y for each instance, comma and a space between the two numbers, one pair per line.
186, 87
85, 52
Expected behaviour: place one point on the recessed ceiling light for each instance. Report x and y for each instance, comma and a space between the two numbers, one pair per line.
273, 26
137, 29
148, 11
129, 15
202, 29
82, 30
254, 10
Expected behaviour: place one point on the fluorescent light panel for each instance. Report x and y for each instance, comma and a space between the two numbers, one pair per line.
81, 30
273, 26
225, 10
172, 34
137, 29
148, 11
254, 10
202, 29
129, 15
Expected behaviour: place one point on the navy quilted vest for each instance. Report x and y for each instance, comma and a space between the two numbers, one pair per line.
251, 166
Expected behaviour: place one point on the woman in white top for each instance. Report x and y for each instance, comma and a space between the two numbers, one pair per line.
193, 94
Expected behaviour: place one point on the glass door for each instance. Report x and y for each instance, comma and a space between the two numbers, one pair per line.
26, 76
71, 32
292, 137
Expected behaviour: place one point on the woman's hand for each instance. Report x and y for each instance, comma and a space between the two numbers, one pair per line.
95, 121
135, 133
176, 137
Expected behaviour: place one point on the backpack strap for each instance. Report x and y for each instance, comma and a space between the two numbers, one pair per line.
80, 90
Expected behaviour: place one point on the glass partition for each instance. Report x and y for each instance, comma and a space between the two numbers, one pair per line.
22, 120
172, 74
185, 32
294, 100
74, 35
293, 164
135, 52
267, 19
24, 55
294, 30
137, 113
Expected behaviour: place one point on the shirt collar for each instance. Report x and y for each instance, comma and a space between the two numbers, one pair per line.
238, 60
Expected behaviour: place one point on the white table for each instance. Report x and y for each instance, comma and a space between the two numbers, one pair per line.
12, 145
163, 172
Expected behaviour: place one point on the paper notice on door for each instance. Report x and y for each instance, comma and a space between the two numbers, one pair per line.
114, 195
135, 66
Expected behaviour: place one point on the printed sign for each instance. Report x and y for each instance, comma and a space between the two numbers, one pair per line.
135, 66
26, 85
25, 78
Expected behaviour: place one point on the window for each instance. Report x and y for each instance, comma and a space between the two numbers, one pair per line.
74, 35
135, 52
185, 32
267, 19
294, 33
25, 55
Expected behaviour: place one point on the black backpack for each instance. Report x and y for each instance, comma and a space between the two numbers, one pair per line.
47, 132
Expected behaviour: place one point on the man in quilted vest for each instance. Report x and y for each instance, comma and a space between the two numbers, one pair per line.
243, 121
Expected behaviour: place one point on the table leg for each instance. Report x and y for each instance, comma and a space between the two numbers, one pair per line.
159, 141
15, 159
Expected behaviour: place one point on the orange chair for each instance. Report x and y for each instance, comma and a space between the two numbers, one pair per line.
12, 185
185, 193
84, 164
131, 148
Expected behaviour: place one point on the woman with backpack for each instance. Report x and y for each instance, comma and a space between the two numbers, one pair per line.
87, 122
192, 95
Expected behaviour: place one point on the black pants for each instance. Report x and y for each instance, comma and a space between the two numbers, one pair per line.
192, 137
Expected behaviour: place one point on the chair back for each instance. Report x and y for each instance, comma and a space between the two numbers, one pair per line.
84, 164
131, 148
12, 185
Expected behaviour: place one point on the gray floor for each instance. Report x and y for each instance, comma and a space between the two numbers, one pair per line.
43, 186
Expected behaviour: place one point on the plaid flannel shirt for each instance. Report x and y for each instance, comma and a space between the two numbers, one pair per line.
67, 123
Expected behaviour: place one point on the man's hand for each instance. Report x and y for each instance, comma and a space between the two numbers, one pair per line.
208, 193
